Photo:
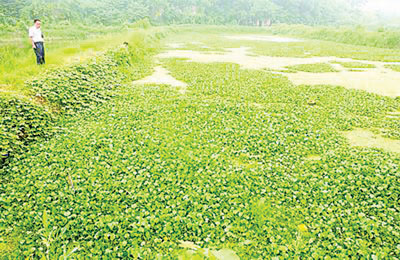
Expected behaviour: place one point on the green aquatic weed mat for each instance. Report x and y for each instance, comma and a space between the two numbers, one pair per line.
355, 65
230, 164
314, 68
218, 39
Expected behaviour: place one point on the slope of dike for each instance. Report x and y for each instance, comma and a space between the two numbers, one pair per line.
71, 89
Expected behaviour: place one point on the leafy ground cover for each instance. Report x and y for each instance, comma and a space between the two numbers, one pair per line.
244, 160
21, 122
356, 65
64, 91
314, 68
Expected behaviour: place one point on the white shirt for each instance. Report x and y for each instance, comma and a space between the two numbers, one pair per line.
36, 34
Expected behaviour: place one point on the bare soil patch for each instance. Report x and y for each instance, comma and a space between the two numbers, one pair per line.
161, 76
374, 81
365, 138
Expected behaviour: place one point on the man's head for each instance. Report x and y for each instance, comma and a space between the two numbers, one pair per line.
37, 23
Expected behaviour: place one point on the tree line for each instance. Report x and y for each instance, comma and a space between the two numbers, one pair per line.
240, 12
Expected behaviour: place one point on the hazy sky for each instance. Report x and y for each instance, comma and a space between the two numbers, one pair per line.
386, 6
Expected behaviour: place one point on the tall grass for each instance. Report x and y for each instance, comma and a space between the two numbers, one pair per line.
355, 36
63, 46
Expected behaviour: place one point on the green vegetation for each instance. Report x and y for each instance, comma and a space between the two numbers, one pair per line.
26, 119
217, 41
355, 36
314, 68
21, 123
67, 90
393, 67
355, 65
250, 12
17, 61
225, 166
242, 163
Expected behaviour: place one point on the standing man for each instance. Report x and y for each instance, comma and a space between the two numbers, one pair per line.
36, 37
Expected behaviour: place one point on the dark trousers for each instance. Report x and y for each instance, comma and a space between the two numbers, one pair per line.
39, 51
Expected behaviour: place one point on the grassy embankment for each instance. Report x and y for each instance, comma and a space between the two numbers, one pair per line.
28, 110
64, 45
242, 161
